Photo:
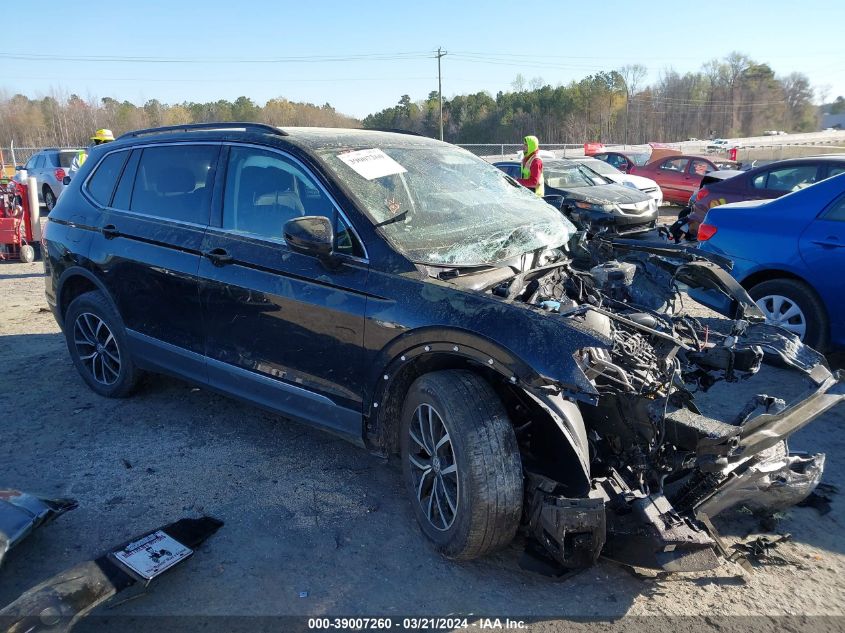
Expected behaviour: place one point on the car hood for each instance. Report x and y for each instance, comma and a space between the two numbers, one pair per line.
640, 182
615, 193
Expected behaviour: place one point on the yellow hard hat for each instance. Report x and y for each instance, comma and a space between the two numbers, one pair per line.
103, 135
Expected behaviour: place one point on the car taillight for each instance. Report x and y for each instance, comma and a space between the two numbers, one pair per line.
706, 231
60, 174
701, 193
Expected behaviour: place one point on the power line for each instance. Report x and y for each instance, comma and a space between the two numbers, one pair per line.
212, 60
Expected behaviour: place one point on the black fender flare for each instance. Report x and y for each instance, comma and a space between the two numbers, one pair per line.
79, 271
466, 346
452, 342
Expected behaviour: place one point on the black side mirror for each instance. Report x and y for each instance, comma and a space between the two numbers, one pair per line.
310, 235
18, 167
66, 180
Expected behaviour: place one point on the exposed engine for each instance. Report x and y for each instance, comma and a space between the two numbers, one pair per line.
658, 461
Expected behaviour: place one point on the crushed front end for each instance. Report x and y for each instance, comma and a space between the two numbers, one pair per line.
686, 418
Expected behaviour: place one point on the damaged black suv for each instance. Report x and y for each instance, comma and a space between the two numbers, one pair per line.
406, 295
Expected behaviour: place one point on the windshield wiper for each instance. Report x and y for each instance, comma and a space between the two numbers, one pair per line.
395, 218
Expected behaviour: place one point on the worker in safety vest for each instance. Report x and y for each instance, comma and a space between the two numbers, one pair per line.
532, 166
100, 136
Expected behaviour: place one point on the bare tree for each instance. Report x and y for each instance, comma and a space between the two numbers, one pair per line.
632, 75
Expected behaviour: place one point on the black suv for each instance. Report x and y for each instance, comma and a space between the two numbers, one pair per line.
410, 297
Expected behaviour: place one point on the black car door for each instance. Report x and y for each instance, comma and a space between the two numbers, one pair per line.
149, 251
283, 329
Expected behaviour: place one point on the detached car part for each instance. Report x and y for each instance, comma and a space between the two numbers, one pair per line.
57, 604
21, 513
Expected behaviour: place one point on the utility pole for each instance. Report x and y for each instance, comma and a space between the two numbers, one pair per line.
440, 89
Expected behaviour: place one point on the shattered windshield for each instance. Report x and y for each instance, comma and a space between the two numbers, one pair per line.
441, 205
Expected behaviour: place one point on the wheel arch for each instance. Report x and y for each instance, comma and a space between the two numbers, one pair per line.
74, 282
517, 385
769, 274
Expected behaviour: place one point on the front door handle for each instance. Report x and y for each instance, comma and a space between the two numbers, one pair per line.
218, 256
110, 231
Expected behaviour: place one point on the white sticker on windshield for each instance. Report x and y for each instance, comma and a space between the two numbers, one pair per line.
372, 163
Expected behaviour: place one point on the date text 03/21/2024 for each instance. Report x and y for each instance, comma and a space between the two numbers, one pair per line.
412, 624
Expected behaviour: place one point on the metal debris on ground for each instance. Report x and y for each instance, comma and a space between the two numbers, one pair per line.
21, 513
761, 550
58, 603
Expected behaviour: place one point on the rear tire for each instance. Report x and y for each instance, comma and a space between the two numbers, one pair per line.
777, 297
462, 466
96, 340
49, 198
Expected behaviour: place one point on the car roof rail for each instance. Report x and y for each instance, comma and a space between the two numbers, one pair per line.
395, 130
190, 127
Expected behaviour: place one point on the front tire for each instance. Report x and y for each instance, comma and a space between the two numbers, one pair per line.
96, 340
794, 306
461, 464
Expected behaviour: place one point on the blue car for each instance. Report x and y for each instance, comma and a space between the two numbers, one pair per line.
789, 254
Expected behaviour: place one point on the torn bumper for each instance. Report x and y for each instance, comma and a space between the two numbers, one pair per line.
761, 432
774, 481
619, 524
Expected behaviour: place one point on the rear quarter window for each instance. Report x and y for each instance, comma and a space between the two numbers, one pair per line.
101, 184
66, 158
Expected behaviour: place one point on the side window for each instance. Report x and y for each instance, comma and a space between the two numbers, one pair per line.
52, 159
700, 168
786, 178
836, 212
835, 171
39, 162
617, 161
175, 182
676, 164
511, 170
101, 185
264, 190
345, 240
30, 164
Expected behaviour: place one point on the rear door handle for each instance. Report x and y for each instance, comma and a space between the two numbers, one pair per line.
110, 231
830, 242
218, 256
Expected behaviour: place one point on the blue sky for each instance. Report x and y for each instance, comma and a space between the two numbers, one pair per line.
362, 56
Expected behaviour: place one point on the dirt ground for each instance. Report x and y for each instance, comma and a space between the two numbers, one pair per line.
315, 526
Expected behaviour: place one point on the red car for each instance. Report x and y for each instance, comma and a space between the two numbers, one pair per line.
678, 176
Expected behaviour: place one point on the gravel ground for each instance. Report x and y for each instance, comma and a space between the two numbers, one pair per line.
315, 526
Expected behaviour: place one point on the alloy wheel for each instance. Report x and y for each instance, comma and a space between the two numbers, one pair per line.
433, 467
783, 312
97, 348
